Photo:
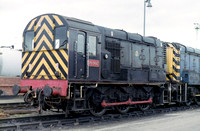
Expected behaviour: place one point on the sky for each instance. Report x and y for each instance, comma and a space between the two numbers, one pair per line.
168, 20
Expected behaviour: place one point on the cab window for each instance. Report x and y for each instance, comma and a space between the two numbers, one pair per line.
29, 41
81, 44
60, 37
92, 45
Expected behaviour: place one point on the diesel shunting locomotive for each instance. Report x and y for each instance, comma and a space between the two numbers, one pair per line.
74, 65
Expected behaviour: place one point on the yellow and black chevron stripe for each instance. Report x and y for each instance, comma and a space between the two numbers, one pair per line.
43, 27
173, 62
45, 62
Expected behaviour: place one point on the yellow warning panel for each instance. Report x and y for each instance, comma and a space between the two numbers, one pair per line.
169, 60
173, 63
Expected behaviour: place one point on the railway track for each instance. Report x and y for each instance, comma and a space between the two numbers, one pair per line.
6, 97
38, 122
14, 105
8, 102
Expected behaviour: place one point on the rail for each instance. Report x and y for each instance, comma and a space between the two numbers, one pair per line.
39, 122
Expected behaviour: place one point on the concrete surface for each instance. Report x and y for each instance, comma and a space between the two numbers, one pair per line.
179, 121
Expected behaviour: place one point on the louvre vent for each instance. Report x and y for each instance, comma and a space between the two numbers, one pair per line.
114, 48
164, 54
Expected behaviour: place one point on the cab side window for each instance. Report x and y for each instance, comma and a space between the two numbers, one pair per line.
81, 44
60, 37
92, 46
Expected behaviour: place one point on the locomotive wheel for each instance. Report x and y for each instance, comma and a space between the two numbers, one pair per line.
96, 110
122, 109
197, 100
143, 107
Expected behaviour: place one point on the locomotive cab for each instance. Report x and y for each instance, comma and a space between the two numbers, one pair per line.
84, 56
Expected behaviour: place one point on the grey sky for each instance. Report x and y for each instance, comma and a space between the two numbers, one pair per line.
168, 20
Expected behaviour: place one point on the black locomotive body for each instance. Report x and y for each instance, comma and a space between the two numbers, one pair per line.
74, 65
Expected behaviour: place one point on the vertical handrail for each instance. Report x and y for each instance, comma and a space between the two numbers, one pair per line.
180, 93
170, 92
87, 59
186, 92
76, 66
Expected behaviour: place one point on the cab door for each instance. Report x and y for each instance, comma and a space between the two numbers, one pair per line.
80, 55
93, 57
86, 56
